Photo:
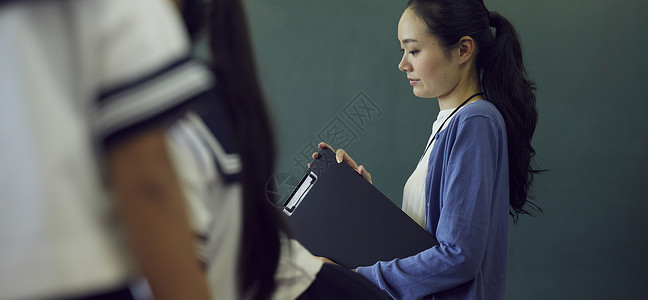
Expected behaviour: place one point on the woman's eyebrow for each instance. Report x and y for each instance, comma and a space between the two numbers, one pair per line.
405, 41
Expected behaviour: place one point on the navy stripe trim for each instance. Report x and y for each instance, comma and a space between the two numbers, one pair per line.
153, 97
109, 92
227, 163
165, 118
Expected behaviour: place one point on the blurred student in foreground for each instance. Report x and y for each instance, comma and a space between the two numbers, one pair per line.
110, 127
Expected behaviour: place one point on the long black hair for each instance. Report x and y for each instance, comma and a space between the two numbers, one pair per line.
504, 80
232, 61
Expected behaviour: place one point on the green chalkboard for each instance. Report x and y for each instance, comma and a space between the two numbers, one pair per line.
329, 71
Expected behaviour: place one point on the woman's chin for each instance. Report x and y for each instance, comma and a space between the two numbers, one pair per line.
421, 94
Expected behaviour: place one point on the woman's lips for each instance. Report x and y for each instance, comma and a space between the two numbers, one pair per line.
413, 81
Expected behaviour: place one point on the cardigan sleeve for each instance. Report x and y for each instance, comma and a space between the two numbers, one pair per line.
467, 187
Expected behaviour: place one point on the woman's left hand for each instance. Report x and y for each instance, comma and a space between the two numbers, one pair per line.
326, 260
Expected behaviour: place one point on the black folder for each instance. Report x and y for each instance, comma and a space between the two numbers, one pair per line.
334, 212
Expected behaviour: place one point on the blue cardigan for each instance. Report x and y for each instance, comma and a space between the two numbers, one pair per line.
467, 196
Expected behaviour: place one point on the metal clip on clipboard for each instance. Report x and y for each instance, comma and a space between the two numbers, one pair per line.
299, 192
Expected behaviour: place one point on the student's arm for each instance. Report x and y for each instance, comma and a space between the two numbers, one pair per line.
152, 208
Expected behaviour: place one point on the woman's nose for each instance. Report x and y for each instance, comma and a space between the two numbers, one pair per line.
403, 65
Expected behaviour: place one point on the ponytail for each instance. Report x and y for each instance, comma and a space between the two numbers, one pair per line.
507, 86
503, 79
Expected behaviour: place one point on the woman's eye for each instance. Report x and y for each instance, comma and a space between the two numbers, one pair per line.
413, 52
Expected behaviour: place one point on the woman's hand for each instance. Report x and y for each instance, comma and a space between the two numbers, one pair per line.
326, 260
342, 156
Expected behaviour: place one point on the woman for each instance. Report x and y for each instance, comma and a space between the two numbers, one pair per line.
476, 168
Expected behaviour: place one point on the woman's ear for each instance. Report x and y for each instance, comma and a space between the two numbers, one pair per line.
467, 49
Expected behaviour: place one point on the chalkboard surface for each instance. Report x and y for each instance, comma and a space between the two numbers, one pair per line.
588, 58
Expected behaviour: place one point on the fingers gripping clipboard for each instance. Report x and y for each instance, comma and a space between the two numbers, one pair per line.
334, 212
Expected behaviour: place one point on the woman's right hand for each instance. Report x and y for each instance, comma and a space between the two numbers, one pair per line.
342, 156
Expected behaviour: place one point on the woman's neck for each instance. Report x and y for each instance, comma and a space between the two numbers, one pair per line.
467, 86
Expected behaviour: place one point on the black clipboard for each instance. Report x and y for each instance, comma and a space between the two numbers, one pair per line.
334, 212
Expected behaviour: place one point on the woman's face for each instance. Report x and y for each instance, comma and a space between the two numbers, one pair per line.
429, 70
